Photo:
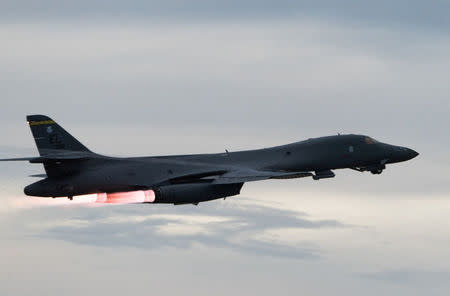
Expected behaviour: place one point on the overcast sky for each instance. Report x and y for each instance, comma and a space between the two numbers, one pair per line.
174, 77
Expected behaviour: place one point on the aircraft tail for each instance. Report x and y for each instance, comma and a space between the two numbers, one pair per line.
61, 154
51, 138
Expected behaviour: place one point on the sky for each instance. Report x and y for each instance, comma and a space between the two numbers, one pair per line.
173, 77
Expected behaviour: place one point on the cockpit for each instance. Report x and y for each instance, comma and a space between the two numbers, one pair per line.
370, 141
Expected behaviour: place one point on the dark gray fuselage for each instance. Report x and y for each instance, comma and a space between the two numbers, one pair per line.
108, 174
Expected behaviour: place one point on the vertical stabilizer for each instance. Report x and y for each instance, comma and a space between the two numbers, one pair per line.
50, 137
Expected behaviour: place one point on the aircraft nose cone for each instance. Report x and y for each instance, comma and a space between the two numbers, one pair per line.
399, 153
412, 153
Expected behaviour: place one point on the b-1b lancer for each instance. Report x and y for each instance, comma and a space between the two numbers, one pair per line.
72, 169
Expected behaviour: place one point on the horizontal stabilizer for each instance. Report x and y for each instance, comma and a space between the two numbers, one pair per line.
62, 156
18, 159
68, 155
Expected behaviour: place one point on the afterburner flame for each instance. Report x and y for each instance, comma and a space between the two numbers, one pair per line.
139, 196
126, 197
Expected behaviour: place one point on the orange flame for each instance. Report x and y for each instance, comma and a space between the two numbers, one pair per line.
126, 197
140, 196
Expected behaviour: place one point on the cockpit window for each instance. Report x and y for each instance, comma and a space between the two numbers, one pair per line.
370, 141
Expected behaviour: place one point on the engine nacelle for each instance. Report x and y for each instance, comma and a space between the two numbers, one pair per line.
194, 193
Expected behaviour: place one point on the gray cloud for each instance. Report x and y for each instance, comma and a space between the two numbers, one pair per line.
299, 74
237, 228
418, 13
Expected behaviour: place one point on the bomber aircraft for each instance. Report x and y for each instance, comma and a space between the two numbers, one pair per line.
73, 170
